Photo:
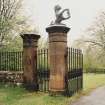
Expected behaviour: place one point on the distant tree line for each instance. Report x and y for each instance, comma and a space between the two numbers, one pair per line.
93, 43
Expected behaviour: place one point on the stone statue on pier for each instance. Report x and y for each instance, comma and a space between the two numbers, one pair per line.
59, 13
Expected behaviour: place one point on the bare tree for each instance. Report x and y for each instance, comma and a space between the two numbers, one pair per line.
8, 11
94, 39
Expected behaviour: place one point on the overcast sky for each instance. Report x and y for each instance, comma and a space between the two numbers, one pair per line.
83, 12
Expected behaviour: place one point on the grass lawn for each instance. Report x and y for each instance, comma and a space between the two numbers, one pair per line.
19, 96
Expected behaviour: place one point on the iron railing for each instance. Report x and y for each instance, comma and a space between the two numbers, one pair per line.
74, 77
43, 69
11, 61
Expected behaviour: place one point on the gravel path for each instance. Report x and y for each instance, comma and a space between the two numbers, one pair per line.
97, 97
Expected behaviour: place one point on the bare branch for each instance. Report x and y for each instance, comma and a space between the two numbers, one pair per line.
8, 12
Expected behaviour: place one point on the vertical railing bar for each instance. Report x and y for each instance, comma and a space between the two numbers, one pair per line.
7, 61
80, 65
0, 61
46, 67
73, 69
38, 67
4, 61
68, 59
82, 72
22, 62
77, 67
71, 64
19, 60
71, 59
68, 66
77, 59
10, 67
14, 61
42, 68
11, 61
48, 71
74, 72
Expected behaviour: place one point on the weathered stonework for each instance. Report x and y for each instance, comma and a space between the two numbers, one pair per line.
30, 61
57, 55
11, 77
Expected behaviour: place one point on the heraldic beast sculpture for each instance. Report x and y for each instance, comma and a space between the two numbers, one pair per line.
59, 13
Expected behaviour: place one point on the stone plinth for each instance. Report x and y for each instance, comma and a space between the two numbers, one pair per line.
30, 61
57, 56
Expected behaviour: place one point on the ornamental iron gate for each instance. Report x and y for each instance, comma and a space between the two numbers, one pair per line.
74, 77
43, 69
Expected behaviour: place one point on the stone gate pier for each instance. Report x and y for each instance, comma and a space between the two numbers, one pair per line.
57, 56
30, 61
